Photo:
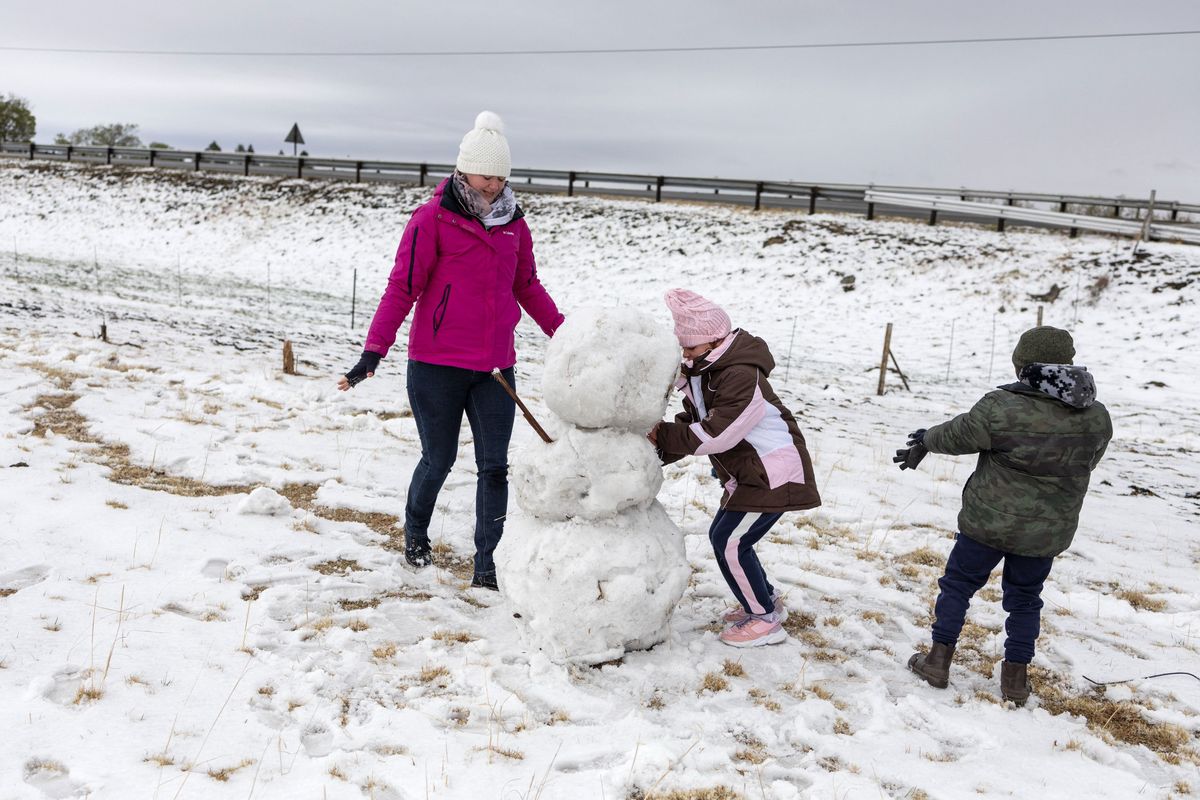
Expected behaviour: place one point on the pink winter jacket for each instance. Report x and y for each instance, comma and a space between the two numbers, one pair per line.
466, 282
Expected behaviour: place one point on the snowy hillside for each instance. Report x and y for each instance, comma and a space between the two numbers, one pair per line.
169, 634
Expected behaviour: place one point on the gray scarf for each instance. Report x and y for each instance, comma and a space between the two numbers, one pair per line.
1070, 384
499, 212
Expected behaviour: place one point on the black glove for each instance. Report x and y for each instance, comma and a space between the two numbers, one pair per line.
366, 366
910, 457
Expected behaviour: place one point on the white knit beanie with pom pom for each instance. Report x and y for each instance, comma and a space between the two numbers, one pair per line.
484, 150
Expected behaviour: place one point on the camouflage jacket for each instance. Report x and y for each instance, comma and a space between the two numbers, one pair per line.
1036, 455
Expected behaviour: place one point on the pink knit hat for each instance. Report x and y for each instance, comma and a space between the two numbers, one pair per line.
696, 320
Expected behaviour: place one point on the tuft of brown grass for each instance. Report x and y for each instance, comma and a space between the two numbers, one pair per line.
1140, 600
337, 774
358, 625
223, 774
797, 622
384, 652
89, 693
656, 701
841, 727
161, 759
507, 752
733, 669
874, 616
714, 683
434, 674
461, 637
115, 504
266, 691
924, 556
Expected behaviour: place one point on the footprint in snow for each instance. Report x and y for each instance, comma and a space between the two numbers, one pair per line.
214, 568
52, 778
15, 581
317, 739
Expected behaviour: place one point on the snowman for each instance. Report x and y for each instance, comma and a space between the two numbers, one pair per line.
592, 566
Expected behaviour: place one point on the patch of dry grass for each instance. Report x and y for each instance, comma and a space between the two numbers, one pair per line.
925, 556
711, 793
337, 566
760, 698
223, 774
1121, 721
384, 652
1140, 600
450, 637
435, 674
714, 683
798, 622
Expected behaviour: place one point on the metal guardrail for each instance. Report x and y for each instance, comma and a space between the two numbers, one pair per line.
1055, 219
854, 198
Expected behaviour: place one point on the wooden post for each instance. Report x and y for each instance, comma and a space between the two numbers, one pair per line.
424, 171
870, 211
69, 149
289, 358
358, 172
658, 189
108, 156
1039, 316
31, 157
887, 348
246, 165
933, 216
104, 332
152, 156
300, 167
813, 191
571, 184
1146, 234
758, 190
196, 159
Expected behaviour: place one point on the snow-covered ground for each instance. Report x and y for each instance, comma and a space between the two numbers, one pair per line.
168, 634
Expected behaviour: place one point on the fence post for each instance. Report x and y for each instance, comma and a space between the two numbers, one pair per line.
31, 157
933, 216
570, 184
758, 190
152, 157
69, 149
1062, 207
658, 189
1000, 224
300, 167
196, 160
423, 172
108, 156
246, 165
813, 191
358, 172
887, 348
870, 211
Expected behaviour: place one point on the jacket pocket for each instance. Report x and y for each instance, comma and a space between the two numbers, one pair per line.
439, 313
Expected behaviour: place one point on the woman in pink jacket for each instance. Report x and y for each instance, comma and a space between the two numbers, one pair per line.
466, 261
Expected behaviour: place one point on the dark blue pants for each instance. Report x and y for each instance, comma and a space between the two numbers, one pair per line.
733, 535
967, 570
439, 395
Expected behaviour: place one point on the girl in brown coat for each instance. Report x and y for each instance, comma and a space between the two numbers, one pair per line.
732, 415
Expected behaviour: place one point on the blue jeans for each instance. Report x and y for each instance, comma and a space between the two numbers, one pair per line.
439, 395
967, 570
733, 535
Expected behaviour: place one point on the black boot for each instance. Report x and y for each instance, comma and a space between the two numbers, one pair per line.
487, 581
1014, 682
418, 553
934, 667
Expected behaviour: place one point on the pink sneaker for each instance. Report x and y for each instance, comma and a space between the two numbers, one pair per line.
752, 632
735, 615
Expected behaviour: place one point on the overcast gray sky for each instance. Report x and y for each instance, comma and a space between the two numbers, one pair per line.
1097, 116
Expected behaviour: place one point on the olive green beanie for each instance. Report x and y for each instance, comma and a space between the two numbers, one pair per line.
1043, 345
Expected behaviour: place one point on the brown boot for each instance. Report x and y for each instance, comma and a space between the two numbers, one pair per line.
934, 667
1014, 682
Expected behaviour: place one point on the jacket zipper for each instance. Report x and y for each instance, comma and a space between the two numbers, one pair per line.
439, 313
